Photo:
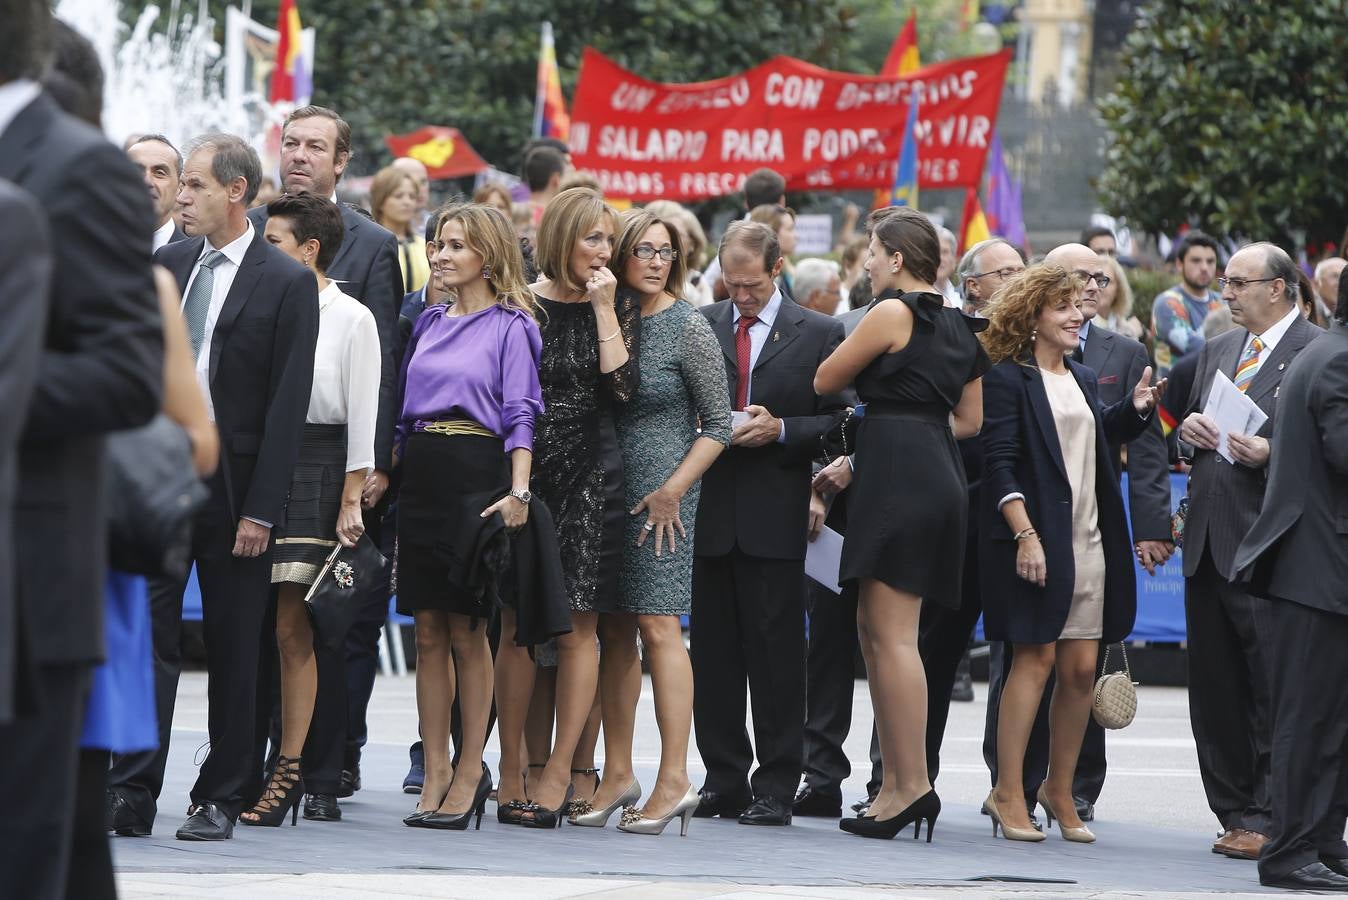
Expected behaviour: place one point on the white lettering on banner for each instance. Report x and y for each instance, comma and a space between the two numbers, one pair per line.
734, 94
579, 137
969, 131
838, 143
710, 184
793, 91
955, 85
752, 145
632, 97
630, 184
667, 145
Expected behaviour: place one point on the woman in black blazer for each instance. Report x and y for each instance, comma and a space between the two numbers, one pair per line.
1054, 551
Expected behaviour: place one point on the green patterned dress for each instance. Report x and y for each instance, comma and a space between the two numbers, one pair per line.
682, 388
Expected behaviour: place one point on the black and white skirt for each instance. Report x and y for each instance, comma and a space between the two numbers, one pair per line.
309, 532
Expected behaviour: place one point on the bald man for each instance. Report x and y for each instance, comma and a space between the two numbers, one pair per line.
1118, 362
1327, 274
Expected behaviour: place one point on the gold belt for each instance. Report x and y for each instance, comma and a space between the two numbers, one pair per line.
455, 426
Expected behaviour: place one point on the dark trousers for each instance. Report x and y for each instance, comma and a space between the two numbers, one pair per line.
943, 638
830, 682
1088, 780
1229, 703
235, 596
1309, 782
91, 876
748, 624
38, 784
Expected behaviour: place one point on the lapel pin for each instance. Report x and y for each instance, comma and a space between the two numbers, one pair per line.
1281, 366
775, 336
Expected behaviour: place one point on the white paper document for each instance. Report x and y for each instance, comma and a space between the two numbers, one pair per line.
737, 418
1232, 411
822, 558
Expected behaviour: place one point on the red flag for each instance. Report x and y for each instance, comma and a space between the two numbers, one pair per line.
973, 225
903, 55
444, 152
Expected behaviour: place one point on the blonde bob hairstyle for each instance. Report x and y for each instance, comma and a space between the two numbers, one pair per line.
1014, 311
489, 234
569, 216
635, 223
385, 184
1123, 297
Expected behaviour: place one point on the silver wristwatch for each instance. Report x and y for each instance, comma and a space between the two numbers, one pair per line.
523, 496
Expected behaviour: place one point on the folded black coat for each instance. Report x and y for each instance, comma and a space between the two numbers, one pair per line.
522, 571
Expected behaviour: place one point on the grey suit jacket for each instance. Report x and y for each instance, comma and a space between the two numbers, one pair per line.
25, 279
1118, 362
1224, 498
1297, 549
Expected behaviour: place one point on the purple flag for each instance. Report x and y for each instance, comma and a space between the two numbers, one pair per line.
1005, 216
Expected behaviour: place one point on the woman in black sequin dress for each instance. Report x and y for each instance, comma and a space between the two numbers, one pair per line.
588, 367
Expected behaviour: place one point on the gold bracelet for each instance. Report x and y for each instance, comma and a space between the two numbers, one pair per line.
1021, 535
611, 336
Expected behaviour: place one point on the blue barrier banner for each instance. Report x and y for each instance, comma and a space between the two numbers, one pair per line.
1160, 598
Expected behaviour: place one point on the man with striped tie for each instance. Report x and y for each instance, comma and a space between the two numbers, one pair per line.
1228, 688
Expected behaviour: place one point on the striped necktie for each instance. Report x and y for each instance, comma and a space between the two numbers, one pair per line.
1249, 364
198, 302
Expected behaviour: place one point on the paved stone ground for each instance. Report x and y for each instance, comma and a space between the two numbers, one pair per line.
1153, 826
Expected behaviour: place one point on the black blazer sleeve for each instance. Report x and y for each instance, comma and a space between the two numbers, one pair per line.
1148, 469
292, 376
104, 369
1002, 437
1330, 399
383, 297
802, 433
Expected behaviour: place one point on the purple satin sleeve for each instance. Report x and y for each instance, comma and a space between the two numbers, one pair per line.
521, 394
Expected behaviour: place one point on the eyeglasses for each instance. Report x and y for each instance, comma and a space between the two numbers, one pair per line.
646, 251
1239, 284
999, 274
1085, 278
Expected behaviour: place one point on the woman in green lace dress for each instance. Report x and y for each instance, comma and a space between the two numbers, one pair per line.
674, 428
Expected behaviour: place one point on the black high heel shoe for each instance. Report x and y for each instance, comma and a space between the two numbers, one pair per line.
927, 807
284, 792
535, 816
459, 821
420, 814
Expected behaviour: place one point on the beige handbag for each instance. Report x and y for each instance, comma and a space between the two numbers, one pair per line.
1115, 701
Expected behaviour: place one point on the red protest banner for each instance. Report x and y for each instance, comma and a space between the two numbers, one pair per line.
445, 152
822, 130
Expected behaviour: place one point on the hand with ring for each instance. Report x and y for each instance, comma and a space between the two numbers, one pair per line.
662, 518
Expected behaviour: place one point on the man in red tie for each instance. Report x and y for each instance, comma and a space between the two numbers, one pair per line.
748, 618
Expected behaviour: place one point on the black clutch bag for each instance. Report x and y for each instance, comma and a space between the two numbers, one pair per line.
342, 588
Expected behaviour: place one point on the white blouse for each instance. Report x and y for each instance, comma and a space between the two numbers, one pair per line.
346, 374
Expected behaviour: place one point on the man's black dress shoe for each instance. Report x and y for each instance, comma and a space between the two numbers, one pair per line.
123, 821
207, 822
1085, 809
416, 771
322, 808
1338, 866
350, 782
714, 804
861, 805
766, 811
1310, 877
810, 802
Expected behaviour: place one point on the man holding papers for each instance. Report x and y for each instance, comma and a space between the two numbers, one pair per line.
1228, 688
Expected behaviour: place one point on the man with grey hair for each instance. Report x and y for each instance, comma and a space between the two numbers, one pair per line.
945, 269
252, 322
1229, 694
756, 513
818, 285
1327, 274
986, 266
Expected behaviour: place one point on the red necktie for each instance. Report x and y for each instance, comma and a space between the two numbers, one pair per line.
743, 351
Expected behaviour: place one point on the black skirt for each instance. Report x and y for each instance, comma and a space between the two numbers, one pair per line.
439, 472
309, 532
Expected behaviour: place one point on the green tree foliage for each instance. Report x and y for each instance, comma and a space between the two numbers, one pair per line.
393, 65
1230, 115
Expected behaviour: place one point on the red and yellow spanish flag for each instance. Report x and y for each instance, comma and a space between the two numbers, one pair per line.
974, 227
292, 78
550, 118
903, 55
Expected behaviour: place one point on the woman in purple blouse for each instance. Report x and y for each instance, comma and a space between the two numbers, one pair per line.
470, 396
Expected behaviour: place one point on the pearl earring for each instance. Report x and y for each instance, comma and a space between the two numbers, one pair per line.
1034, 335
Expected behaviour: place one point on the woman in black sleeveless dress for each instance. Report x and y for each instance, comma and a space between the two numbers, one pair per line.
916, 365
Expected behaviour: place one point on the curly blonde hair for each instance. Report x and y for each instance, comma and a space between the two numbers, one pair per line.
1013, 313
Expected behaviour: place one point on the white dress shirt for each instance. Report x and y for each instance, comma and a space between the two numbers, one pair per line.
346, 374
758, 336
14, 96
1271, 336
162, 235
223, 273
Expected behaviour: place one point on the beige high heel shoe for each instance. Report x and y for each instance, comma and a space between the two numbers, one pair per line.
1080, 835
1010, 832
634, 822
598, 818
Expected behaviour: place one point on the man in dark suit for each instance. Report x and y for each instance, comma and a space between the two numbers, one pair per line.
25, 280
1118, 362
1228, 654
252, 319
100, 370
1296, 559
161, 166
315, 151
748, 616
